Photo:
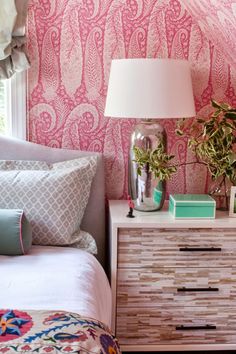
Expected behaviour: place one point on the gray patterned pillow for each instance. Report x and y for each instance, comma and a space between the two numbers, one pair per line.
23, 165
53, 199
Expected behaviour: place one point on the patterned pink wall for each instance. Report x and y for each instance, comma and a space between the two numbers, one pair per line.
71, 44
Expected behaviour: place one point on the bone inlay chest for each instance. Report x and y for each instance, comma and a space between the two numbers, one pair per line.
173, 281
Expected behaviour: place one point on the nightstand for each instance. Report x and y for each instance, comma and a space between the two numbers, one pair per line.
173, 281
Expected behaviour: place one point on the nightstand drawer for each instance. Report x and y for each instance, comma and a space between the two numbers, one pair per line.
142, 247
194, 325
176, 287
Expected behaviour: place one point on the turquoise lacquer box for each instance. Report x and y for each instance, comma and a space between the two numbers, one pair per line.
192, 206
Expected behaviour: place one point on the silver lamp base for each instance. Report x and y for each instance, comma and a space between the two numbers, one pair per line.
147, 192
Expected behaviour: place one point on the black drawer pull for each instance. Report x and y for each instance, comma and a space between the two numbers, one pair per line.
190, 328
200, 249
197, 289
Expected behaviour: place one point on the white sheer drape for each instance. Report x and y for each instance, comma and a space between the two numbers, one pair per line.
12, 37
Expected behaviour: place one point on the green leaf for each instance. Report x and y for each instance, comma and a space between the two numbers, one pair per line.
216, 113
221, 106
179, 132
225, 106
230, 115
200, 120
232, 158
215, 104
232, 126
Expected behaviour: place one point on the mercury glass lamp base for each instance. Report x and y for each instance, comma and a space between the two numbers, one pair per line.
147, 192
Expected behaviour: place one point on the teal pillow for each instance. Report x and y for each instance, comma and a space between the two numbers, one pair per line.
15, 232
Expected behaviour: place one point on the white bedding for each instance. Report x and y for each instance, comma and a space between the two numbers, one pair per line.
56, 278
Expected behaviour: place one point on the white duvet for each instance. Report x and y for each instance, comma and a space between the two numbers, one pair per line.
55, 278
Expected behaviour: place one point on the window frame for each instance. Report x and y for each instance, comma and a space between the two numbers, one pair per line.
16, 106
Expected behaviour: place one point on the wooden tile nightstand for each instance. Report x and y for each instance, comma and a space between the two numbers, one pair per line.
173, 281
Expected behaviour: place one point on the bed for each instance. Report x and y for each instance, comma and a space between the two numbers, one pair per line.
57, 299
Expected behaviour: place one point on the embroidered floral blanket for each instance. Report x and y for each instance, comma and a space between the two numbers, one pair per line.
53, 332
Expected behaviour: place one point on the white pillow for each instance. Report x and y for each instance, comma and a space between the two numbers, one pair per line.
53, 198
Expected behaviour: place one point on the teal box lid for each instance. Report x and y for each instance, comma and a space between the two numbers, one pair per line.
192, 199
196, 206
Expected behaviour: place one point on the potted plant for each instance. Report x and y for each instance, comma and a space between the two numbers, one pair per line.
213, 142
156, 162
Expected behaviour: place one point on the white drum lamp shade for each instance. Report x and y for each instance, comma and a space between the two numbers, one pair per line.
150, 88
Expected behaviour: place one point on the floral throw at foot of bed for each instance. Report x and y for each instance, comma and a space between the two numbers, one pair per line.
53, 332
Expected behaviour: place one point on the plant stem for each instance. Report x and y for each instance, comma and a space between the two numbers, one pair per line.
189, 163
222, 182
226, 198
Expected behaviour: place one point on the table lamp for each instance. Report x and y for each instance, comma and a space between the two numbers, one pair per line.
148, 89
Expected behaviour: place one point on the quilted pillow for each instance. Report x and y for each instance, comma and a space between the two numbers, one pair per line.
53, 199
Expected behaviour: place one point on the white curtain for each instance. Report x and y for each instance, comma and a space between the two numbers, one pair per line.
12, 37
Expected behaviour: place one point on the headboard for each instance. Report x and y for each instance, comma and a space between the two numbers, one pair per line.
94, 217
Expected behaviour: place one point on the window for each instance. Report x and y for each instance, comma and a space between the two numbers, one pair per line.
13, 106
2, 107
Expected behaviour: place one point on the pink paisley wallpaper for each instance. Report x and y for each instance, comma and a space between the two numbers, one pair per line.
71, 44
